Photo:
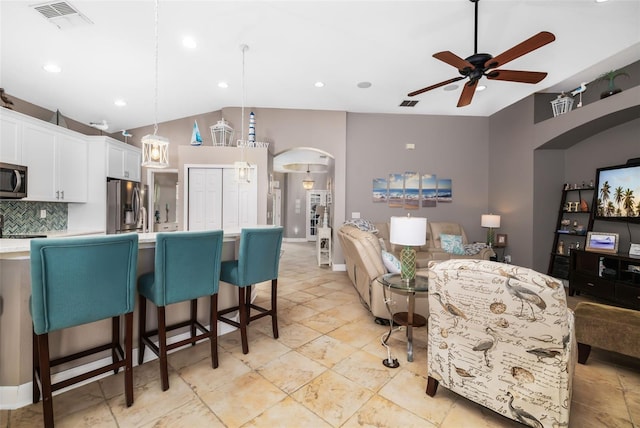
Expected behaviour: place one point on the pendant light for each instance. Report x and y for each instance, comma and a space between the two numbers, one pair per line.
308, 181
242, 167
155, 149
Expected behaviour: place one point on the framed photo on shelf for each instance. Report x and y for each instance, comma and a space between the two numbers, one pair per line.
501, 240
602, 242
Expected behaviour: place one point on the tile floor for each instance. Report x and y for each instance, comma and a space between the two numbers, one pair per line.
325, 370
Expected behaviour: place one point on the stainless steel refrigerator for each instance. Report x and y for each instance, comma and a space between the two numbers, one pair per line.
125, 206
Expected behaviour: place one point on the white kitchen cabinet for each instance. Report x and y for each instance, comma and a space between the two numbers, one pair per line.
57, 163
10, 137
123, 161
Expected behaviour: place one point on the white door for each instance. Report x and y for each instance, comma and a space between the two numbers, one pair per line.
205, 199
277, 207
218, 201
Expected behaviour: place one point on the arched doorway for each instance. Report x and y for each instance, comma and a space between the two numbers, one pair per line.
303, 209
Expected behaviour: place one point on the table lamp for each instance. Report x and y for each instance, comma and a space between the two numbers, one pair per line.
409, 232
491, 221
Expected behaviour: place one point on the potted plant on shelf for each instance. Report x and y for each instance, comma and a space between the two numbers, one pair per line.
610, 77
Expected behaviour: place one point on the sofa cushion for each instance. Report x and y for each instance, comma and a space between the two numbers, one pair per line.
437, 228
390, 262
452, 243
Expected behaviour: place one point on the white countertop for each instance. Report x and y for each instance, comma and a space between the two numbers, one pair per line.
16, 249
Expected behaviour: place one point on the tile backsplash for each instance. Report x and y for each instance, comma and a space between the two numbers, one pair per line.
21, 217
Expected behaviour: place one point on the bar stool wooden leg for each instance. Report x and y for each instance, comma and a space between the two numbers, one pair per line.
247, 302
45, 379
128, 346
213, 329
142, 325
115, 343
242, 310
162, 342
194, 319
36, 368
274, 312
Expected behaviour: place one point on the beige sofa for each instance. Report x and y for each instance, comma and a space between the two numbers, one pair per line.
433, 248
362, 253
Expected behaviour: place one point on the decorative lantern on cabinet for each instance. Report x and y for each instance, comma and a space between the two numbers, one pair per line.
222, 133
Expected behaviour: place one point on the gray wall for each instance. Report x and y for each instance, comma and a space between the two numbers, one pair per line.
530, 163
611, 147
450, 147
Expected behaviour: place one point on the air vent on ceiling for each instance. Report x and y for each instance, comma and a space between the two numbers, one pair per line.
62, 14
408, 103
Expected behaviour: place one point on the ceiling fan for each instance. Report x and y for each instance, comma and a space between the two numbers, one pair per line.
484, 64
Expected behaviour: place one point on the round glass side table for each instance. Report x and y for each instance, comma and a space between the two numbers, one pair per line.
395, 284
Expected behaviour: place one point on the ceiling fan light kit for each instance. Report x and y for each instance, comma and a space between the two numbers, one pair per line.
478, 65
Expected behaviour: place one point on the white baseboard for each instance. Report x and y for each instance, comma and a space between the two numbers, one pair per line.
295, 240
14, 397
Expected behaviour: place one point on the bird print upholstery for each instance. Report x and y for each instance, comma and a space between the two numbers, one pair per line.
502, 336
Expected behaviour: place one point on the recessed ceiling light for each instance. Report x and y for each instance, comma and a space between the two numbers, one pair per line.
189, 42
318, 84
450, 87
52, 68
223, 85
120, 102
481, 88
601, 1
364, 85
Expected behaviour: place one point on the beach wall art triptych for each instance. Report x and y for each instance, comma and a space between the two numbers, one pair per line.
412, 190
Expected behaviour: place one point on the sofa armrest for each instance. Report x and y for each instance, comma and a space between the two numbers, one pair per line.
439, 254
486, 254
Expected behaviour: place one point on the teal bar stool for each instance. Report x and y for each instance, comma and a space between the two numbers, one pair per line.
258, 261
76, 281
187, 266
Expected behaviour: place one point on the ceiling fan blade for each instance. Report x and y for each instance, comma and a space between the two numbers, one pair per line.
454, 60
531, 44
517, 76
437, 85
467, 93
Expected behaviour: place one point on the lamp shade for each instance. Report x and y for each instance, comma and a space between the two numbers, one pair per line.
490, 220
408, 231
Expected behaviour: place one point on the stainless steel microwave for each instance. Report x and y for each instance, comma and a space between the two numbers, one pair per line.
13, 181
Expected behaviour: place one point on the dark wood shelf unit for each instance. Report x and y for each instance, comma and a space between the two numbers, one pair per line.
614, 278
559, 262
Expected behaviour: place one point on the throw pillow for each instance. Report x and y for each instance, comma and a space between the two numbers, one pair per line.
362, 224
390, 262
452, 244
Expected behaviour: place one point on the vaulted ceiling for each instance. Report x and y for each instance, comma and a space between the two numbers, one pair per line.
109, 53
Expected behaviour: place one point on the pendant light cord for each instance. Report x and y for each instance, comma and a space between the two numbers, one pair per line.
155, 103
244, 48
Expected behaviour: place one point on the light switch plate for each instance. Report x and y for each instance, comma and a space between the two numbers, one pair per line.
634, 250
43, 213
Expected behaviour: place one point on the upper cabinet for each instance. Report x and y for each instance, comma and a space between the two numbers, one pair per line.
123, 161
57, 162
10, 137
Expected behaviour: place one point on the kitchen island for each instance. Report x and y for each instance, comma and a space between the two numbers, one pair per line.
16, 324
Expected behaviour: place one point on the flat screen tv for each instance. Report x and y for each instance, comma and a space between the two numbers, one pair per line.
618, 193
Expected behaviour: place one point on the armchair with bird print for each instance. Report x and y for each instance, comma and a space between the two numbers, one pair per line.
502, 336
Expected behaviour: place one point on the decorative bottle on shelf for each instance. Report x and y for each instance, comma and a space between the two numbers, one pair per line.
584, 207
560, 249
